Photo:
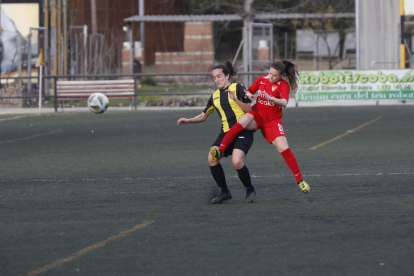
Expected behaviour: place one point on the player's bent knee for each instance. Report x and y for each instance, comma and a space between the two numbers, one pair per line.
248, 122
238, 164
245, 120
210, 160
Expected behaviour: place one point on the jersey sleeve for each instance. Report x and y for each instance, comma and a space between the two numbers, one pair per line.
240, 93
255, 86
210, 107
284, 90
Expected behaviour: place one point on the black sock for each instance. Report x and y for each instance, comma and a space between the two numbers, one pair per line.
218, 174
244, 176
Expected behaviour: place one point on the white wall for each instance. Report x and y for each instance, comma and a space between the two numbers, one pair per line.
379, 33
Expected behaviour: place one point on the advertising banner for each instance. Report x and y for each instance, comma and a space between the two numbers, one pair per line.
395, 84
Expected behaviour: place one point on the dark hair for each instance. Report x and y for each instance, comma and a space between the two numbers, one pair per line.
228, 69
289, 69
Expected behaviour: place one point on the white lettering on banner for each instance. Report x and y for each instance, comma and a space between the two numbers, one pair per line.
356, 85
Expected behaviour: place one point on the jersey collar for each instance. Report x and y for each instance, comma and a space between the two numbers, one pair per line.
224, 89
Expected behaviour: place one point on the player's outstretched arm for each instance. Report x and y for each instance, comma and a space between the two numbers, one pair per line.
279, 102
246, 107
197, 119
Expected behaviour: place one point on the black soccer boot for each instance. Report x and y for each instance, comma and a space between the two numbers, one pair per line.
250, 194
222, 197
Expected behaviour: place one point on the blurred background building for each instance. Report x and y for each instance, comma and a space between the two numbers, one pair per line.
93, 37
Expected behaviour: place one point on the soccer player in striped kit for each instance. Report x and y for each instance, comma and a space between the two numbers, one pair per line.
230, 102
273, 95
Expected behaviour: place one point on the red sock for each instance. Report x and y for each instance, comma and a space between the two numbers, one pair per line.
230, 136
292, 163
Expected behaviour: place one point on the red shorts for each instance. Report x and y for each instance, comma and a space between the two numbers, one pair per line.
270, 129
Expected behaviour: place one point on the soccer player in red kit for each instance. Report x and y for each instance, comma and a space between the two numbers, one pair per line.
266, 115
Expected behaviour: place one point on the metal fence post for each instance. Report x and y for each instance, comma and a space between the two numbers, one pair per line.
55, 92
135, 93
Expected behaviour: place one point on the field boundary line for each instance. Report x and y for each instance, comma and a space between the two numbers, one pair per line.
68, 222
87, 249
344, 134
11, 118
30, 137
182, 178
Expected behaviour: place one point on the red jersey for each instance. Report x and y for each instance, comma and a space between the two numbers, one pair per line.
265, 108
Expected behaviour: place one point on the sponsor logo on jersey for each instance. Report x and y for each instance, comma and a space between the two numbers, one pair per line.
262, 99
265, 102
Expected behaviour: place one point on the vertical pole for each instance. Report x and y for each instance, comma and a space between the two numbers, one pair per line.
55, 92
271, 45
47, 41
77, 61
246, 37
29, 64
135, 92
45, 60
57, 39
93, 37
40, 87
383, 34
402, 45
142, 27
85, 49
65, 37
93, 16
90, 52
250, 52
246, 54
317, 51
19, 64
131, 49
358, 34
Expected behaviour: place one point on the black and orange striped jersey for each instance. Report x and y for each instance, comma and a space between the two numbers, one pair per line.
227, 109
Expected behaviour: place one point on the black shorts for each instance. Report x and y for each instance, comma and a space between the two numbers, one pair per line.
244, 141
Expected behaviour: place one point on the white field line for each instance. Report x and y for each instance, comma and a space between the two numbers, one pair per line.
11, 118
200, 177
88, 249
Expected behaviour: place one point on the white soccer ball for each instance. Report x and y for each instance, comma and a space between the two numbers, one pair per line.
98, 103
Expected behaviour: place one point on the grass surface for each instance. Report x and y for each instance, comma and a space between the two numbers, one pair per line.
72, 184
